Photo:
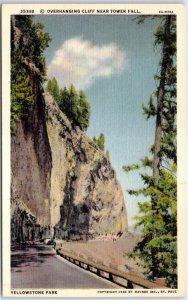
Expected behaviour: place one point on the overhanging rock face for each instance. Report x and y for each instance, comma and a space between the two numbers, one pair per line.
62, 179
83, 183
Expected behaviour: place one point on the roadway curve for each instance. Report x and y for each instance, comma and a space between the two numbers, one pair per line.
38, 267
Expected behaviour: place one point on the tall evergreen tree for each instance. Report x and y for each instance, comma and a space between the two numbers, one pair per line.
84, 111
73, 108
53, 88
157, 249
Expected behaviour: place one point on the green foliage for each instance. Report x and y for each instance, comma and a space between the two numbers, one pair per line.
146, 162
83, 111
63, 101
149, 110
27, 62
73, 104
133, 167
108, 154
53, 88
157, 250
22, 98
33, 42
100, 142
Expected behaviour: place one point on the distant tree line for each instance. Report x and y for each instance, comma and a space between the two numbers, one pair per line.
72, 103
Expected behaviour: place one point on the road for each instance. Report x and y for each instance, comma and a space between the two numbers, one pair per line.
37, 267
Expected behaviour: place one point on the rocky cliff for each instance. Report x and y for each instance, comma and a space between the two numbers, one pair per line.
85, 196
62, 184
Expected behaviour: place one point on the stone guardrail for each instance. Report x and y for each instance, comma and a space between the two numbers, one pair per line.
120, 278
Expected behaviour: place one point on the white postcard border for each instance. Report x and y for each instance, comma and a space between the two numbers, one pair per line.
11, 9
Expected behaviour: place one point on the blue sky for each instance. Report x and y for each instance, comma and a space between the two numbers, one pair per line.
113, 60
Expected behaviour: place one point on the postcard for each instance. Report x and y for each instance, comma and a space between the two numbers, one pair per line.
93, 150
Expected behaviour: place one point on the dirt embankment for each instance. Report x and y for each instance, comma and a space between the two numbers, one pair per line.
109, 252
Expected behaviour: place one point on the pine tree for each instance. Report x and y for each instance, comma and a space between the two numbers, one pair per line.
73, 109
53, 88
101, 141
64, 100
157, 249
22, 98
72, 103
84, 111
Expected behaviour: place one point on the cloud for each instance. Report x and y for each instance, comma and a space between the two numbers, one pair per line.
80, 62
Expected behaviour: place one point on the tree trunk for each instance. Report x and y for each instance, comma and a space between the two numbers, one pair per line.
158, 130
160, 98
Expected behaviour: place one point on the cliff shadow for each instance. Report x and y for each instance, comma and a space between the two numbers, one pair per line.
27, 256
